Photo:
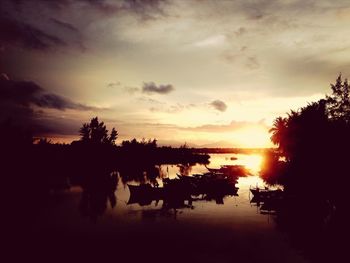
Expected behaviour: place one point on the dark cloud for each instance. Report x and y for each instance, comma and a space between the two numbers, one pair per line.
64, 25
54, 101
20, 26
27, 93
145, 9
151, 88
23, 102
18, 33
219, 105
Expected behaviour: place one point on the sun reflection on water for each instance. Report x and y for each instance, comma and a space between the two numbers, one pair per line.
252, 162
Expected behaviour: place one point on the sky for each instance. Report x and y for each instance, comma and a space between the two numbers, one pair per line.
208, 73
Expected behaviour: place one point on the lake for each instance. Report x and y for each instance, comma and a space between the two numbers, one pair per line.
233, 230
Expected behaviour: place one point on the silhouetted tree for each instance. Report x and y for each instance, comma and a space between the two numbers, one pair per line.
314, 140
14, 136
44, 141
338, 104
315, 143
113, 136
278, 131
97, 133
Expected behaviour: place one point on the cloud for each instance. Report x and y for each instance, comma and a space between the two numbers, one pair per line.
169, 109
151, 88
240, 31
114, 84
127, 89
24, 103
150, 101
54, 101
253, 63
27, 93
211, 41
18, 33
64, 25
144, 9
222, 128
19, 26
131, 90
219, 105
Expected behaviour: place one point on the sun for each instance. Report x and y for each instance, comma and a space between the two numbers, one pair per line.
252, 162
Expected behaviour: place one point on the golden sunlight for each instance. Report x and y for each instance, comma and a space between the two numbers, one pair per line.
253, 137
252, 162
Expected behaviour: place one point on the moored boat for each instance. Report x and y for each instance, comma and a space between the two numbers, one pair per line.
265, 193
230, 170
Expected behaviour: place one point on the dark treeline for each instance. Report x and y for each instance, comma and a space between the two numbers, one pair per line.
311, 162
33, 169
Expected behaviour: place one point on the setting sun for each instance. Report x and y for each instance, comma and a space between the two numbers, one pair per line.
252, 162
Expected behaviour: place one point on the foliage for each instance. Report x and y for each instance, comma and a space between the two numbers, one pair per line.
338, 104
314, 140
97, 133
12, 136
134, 144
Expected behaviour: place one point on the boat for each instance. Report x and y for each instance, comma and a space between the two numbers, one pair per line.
235, 170
213, 170
230, 170
270, 206
146, 190
209, 183
177, 190
265, 193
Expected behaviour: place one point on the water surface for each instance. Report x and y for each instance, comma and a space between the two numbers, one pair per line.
234, 231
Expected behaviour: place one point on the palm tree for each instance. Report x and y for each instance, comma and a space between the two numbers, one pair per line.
278, 131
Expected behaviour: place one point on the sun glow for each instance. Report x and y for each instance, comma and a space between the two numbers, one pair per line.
253, 137
252, 162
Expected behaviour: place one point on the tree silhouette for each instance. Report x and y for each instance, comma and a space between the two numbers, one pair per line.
313, 135
113, 136
97, 133
278, 131
338, 104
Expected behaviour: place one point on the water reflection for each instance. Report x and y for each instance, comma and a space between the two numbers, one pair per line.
97, 192
170, 216
169, 187
183, 191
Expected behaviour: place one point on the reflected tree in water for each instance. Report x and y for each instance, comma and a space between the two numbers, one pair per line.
95, 198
